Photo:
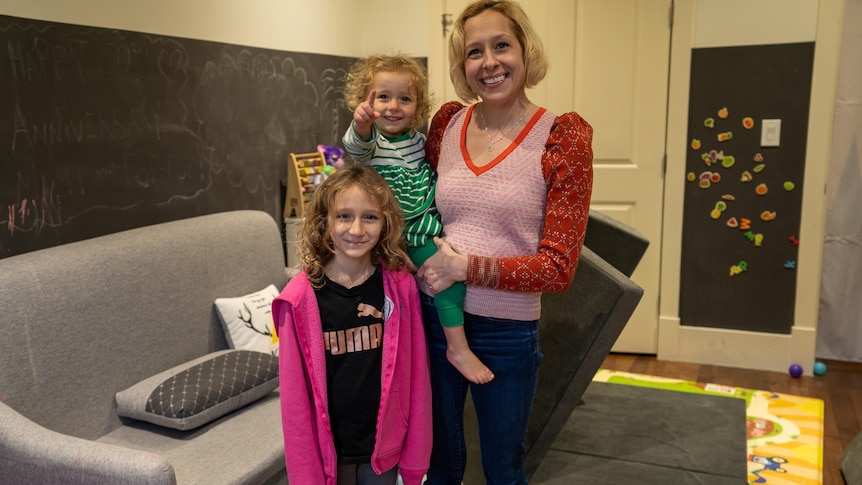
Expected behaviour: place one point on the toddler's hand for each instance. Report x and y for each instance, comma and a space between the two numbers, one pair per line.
364, 115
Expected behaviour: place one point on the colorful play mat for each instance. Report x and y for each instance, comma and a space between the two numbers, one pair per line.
784, 432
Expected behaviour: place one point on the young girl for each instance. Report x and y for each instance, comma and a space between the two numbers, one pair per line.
389, 96
355, 391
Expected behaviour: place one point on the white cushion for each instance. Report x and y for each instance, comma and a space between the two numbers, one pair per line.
247, 321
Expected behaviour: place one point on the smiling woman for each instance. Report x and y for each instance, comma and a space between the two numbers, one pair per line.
513, 180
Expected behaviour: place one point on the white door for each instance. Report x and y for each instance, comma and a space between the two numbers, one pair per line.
609, 62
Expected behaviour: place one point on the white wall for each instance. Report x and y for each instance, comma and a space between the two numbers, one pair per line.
336, 27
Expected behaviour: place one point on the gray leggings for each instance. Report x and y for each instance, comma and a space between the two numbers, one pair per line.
364, 475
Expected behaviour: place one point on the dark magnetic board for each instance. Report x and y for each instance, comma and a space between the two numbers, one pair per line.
740, 237
103, 130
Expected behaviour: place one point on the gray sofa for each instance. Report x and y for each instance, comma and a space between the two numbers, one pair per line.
82, 321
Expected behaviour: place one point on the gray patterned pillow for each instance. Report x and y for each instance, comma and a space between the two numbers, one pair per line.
193, 394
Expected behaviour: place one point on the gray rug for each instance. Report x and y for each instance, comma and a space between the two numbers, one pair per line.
633, 435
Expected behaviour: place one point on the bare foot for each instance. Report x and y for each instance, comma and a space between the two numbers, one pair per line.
470, 366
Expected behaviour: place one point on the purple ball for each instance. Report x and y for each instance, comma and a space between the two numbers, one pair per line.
795, 370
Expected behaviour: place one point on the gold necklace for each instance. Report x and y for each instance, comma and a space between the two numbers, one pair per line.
345, 280
502, 134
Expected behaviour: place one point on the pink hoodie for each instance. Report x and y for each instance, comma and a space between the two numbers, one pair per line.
404, 419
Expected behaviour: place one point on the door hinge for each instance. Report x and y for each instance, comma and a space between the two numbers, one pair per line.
670, 16
446, 22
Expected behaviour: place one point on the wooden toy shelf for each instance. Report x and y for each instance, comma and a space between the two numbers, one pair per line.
304, 173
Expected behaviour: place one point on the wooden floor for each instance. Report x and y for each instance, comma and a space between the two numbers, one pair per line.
840, 389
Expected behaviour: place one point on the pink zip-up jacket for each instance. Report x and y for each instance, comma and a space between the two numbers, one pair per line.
404, 418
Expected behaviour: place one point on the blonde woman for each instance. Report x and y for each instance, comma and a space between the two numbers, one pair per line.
514, 186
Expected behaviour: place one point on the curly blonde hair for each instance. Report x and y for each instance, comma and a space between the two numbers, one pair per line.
535, 60
362, 73
315, 246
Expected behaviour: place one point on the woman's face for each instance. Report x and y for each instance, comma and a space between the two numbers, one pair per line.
494, 63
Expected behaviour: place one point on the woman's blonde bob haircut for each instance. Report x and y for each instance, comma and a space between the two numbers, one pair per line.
315, 246
535, 61
361, 76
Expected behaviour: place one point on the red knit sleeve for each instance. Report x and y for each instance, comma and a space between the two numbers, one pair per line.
438, 127
567, 164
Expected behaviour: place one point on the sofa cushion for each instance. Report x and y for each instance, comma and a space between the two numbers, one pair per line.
247, 320
202, 390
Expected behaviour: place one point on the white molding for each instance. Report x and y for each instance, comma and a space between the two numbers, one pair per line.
736, 348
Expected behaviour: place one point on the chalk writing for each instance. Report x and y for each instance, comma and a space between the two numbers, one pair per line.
107, 130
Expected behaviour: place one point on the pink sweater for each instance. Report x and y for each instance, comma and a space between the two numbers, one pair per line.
520, 219
404, 419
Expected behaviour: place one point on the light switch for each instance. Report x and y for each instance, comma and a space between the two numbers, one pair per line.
770, 134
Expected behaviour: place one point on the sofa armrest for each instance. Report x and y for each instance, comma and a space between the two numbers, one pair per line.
30, 453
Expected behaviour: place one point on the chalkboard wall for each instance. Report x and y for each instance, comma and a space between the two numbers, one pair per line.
103, 130
743, 201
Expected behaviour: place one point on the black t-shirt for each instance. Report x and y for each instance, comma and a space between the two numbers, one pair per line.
352, 321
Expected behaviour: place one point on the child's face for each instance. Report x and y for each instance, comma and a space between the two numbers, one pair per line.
395, 101
355, 225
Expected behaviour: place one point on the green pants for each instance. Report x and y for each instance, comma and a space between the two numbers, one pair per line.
449, 302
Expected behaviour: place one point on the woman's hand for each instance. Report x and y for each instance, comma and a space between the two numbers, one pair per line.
444, 268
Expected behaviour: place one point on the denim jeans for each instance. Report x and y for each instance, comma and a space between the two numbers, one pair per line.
510, 348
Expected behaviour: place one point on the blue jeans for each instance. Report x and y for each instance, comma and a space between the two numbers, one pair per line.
510, 348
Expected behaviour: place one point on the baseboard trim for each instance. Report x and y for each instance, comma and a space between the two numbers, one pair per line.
736, 348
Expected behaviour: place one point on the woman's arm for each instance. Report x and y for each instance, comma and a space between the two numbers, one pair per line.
435, 132
567, 164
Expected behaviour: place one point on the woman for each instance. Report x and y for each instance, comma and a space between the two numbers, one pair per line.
514, 186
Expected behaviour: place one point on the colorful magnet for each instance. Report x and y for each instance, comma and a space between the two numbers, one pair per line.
728, 161
794, 241
709, 122
738, 268
715, 214
789, 186
691, 177
759, 167
748, 122
715, 177
706, 158
704, 183
767, 216
727, 135
723, 112
695, 144
732, 222
758, 157
790, 265
758, 239
745, 224
728, 197
761, 189
749, 235
746, 176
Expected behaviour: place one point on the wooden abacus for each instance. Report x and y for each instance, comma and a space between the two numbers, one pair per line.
304, 174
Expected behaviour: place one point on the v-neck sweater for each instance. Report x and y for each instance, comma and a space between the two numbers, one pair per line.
521, 218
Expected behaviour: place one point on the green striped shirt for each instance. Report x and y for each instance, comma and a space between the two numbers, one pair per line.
401, 161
